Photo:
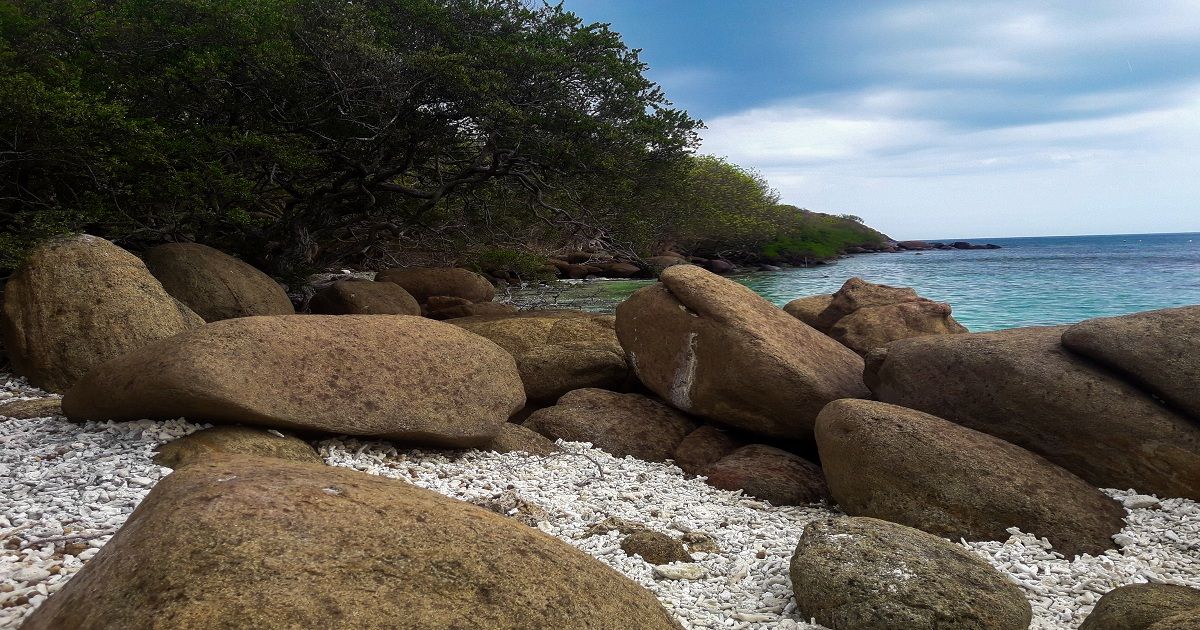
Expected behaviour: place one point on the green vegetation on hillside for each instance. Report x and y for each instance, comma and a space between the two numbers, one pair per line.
301, 133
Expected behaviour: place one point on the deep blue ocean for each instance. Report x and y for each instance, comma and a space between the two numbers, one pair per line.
1029, 282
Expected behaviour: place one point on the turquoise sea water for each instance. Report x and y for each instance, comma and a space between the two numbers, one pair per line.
1029, 282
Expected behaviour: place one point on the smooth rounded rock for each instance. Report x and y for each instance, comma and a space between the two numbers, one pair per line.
771, 474
77, 302
703, 447
426, 282
1022, 386
32, 408
877, 326
714, 348
808, 309
214, 284
912, 468
516, 438
405, 378
620, 424
868, 574
1159, 350
363, 297
203, 446
254, 543
557, 353
655, 547
1140, 606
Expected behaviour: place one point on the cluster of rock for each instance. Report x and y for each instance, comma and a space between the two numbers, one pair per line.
587, 265
918, 246
938, 433
863, 316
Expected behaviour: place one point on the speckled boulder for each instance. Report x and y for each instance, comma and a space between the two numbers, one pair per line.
204, 445
266, 543
703, 447
1140, 606
426, 282
620, 424
714, 348
808, 309
771, 474
868, 574
557, 353
1159, 350
77, 302
516, 438
909, 467
1023, 387
214, 284
363, 297
32, 408
404, 378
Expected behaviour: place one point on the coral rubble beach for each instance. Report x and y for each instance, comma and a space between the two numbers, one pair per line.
72, 486
703, 459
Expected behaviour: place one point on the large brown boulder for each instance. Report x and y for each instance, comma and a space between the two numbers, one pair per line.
471, 310
1187, 620
78, 302
702, 447
620, 424
392, 376
1159, 350
215, 285
714, 348
219, 441
557, 353
856, 294
1022, 386
912, 468
516, 438
863, 315
808, 309
770, 474
869, 328
254, 543
1140, 606
868, 574
363, 297
426, 282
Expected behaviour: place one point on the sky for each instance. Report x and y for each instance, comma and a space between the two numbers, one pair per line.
943, 119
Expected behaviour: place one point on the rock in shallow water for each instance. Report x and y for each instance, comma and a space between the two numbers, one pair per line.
713, 347
404, 378
1022, 386
909, 467
243, 542
868, 574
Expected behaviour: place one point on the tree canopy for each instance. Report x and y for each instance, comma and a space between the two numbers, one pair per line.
304, 133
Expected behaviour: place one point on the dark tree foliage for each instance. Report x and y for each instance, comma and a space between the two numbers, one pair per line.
297, 133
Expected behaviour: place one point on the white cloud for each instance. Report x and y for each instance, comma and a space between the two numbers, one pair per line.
925, 177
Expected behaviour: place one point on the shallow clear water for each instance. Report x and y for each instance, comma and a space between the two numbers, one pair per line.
1030, 282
